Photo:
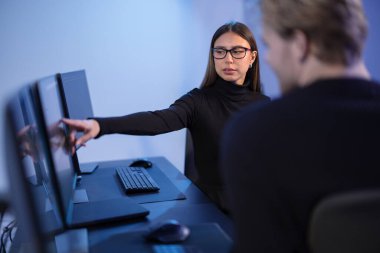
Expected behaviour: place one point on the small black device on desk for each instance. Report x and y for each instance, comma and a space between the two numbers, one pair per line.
169, 231
141, 163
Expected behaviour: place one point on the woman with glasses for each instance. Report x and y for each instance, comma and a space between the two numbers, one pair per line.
232, 81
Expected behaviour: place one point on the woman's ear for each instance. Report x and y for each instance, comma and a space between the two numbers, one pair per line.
253, 56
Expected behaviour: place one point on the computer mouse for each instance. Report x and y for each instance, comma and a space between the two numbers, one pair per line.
169, 231
141, 163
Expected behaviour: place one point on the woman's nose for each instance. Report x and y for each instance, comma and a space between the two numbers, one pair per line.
229, 57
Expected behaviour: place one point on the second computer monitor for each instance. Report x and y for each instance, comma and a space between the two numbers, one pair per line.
51, 109
33, 193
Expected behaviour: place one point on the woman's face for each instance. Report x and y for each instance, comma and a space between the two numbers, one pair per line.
230, 68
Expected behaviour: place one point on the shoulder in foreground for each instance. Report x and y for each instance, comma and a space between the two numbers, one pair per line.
263, 111
259, 96
259, 106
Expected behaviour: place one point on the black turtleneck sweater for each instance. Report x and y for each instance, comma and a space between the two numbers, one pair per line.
203, 111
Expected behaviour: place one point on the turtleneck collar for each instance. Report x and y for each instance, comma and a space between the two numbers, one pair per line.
230, 88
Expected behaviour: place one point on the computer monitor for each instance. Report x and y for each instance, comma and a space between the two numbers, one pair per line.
76, 103
33, 197
77, 208
50, 108
75, 94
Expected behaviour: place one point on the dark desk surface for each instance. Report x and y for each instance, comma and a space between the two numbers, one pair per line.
195, 209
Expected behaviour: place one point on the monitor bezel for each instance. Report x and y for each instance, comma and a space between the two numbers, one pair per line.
66, 209
23, 200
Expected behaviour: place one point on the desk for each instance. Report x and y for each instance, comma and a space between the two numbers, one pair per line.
195, 209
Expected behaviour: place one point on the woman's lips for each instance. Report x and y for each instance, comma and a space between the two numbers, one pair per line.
229, 71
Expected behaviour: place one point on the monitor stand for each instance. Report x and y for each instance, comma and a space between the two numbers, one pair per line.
75, 240
80, 196
88, 168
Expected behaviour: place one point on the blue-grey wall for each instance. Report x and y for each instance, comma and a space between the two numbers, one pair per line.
372, 49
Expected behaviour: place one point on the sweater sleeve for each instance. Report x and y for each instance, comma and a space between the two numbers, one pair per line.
179, 115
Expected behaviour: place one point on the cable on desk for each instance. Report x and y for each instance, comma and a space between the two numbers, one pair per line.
3, 209
10, 233
2, 217
7, 233
2, 213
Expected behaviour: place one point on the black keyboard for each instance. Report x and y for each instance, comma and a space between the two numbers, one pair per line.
136, 179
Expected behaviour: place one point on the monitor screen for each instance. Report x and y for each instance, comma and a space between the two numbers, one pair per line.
34, 196
48, 94
76, 104
76, 95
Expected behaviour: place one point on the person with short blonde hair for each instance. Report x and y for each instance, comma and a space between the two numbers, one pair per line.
320, 137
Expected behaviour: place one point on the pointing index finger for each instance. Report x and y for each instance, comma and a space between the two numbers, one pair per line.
76, 124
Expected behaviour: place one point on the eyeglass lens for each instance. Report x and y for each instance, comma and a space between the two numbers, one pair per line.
236, 52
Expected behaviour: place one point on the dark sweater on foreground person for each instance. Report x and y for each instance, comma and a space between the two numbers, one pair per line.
204, 112
314, 141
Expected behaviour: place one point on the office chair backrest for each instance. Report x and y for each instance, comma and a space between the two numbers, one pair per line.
346, 223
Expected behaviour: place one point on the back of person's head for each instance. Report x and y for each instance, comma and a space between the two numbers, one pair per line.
253, 74
336, 28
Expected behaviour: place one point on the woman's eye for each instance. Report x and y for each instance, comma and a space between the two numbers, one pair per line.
238, 51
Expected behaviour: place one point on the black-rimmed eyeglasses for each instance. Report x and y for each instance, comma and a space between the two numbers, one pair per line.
236, 52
